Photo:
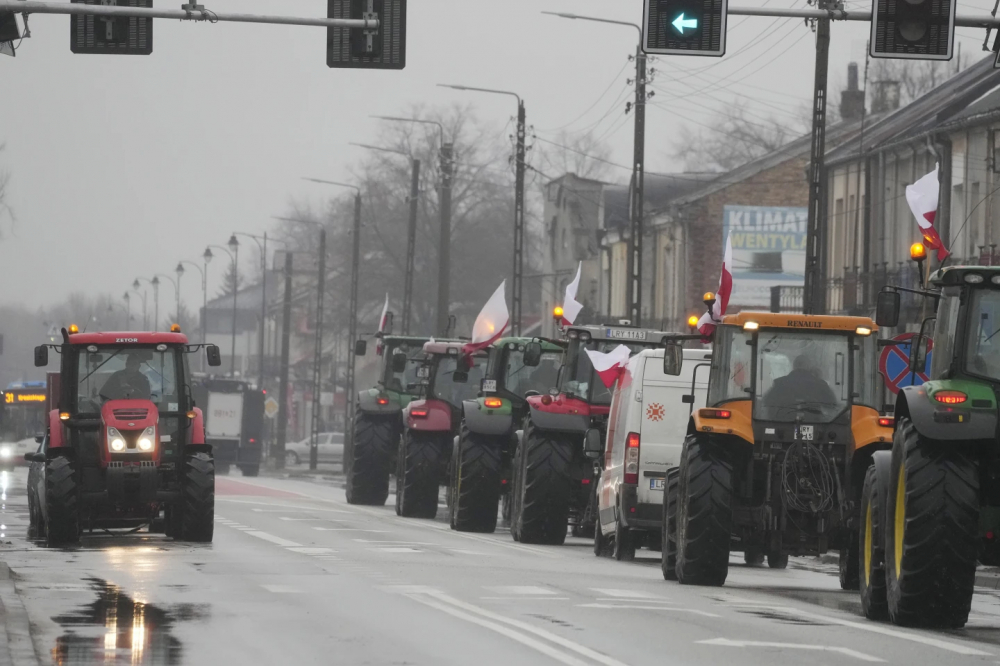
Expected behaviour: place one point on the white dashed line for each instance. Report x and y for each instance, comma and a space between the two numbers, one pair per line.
274, 539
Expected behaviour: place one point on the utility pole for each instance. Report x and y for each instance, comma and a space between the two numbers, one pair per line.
286, 322
444, 243
813, 296
318, 353
411, 248
637, 192
353, 323
517, 282
263, 315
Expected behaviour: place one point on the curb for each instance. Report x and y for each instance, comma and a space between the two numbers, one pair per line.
988, 579
18, 648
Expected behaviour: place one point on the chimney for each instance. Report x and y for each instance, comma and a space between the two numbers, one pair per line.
852, 100
886, 96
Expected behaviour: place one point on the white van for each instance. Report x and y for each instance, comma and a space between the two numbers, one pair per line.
646, 429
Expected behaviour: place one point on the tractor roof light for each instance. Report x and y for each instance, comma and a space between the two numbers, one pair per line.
918, 252
693, 321
973, 278
751, 326
708, 298
64, 416
73, 329
175, 328
863, 331
557, 312
951, 397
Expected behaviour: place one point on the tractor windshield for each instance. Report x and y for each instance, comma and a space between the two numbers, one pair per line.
444, 387
519, 378
124, 373
983, 357
801, 376
404, 381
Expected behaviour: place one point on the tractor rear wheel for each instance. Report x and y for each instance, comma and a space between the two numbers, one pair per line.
544, 487
418, 473
369, 458
197, 504
753, 555
705, 513
871, 549
777, 559
668, 547
62, 501
476, 495
931, 536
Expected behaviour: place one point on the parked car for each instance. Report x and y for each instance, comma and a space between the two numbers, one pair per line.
646, 427
330, 449
12, 453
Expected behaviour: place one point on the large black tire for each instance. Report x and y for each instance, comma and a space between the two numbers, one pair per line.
705, 514
476, 495
197, 503
753, 555
545, 484
777, 560
250, 470
62, 502
369, 458
931, 536
871, 551
849, 572
418, 473
668, 531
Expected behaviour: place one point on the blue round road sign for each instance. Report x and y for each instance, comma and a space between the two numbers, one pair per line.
894, 364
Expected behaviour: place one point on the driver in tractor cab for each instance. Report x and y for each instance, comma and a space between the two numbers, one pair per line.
544, 376
802, 384
129, 383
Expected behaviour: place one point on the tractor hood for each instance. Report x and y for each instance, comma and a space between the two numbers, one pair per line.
127, 415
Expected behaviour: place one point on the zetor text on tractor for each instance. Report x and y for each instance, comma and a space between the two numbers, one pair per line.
554, 479
773, 465
124, 439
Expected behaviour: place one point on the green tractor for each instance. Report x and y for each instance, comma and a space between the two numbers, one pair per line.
931, 508
483, 451
378, 419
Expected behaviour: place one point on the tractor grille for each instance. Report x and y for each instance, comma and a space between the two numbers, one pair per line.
130, 414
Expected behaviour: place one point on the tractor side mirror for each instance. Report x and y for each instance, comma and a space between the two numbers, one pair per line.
673, 359
360, 347
41, 356
532, 354
463, 364
398, 361
887, 308
34, 457
592, 444
460, 377
214, 355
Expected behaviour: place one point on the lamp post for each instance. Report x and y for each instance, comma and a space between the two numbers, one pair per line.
263, 299
208, 257
128, 311
135, 286
177, 290
204, 295
411, 233
444, 242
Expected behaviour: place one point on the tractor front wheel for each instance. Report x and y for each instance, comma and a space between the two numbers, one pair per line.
197, 504
705, 513
544, 487
477, 478
62, 502
368, 458
871, 543
931, 536
668, 531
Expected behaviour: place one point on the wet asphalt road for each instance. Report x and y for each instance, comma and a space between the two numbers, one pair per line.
297, 576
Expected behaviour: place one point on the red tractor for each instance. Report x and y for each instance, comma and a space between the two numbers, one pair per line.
124, 440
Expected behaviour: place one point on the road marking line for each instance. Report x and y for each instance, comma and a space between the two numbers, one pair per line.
623, 594
394, 543
281, 589
638, 601
725, 642
656, 608
524, 598
277, 507
306, 550
519, 589
527, 641
397, 549
273, 539
524, 626
404, 588
300, 519
460, 551
349, 529
875, 628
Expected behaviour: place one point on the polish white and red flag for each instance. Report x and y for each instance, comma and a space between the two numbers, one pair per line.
382, 322
610, 366
491, 323
572, 307
923, 199
712, 318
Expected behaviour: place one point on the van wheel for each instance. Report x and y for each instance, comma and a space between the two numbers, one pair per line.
602, 545
704, 513
624, 549
668, 532
871, 555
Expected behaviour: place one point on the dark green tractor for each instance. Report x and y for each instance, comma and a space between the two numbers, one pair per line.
481, 460
378, 419
931, 508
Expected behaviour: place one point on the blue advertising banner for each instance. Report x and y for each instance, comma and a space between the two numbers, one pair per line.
769, 249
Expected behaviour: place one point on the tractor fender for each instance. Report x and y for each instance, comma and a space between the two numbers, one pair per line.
485, 421
882, 460
942, 422
368, 403
56, 439
562, 414
197, 427
438, 417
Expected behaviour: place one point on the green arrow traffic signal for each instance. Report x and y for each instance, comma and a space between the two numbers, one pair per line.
680, 23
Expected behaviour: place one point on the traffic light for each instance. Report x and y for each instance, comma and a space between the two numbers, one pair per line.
121, 35
685, 27
381, 48
915, 29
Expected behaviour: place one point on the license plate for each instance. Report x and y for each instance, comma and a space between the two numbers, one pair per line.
626, 334
656, 484
489, 385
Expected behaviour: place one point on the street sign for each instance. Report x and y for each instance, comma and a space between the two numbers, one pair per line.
894, 364
270, 408
382, 48
121, 35
685, 27
915, 29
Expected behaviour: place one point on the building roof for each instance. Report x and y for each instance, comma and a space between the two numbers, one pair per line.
970, 92
660, 190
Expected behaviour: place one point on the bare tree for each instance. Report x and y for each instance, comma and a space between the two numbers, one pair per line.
913, 78
581, 154
735, 140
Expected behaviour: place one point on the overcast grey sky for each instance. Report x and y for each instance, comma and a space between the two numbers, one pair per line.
123, 165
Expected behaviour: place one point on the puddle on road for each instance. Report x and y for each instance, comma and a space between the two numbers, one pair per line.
116, 628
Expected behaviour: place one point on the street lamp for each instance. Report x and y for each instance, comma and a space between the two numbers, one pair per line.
444, 242
135, 286
263, 298
518, 273
204, 292
208, 257
177, 291
128, 311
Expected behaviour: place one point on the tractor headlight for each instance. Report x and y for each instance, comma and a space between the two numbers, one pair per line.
147, 439
5, 452
115, 440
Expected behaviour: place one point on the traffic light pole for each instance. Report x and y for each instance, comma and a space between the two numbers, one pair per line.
637, 192
518, 277
444, 243
286, 321
813, 297
318, 354
353, 322
411, 247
